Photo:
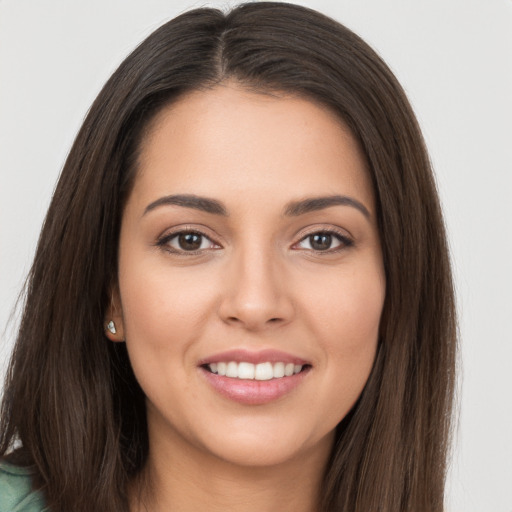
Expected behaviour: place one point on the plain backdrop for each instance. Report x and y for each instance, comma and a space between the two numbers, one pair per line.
454, 59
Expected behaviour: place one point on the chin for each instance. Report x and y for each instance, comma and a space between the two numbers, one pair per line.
266, 448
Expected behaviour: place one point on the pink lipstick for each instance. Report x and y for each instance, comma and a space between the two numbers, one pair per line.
254, 378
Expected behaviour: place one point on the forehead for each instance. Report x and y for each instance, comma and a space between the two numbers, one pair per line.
231, 141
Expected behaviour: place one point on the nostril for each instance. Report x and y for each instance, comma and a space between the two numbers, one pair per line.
236, 320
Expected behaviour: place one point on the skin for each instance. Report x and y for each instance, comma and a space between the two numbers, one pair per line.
256, 283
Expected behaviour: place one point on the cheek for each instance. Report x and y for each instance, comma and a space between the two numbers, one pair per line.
163, 303
349, 304
166, 310
345, 315
164, 314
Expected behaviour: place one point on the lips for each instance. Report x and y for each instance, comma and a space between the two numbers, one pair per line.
261, 356
254, 378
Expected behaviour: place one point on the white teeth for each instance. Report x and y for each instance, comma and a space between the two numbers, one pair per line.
246, 371
263, 371
249, 371
288, 369
221, 368
232, 369
278, 370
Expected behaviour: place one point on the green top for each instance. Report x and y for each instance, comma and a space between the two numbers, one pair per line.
16, 494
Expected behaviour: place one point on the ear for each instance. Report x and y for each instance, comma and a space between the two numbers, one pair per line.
113, 321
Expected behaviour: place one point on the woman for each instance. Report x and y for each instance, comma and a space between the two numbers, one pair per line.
241, 295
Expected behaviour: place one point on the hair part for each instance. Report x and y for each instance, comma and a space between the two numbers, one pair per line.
71, 398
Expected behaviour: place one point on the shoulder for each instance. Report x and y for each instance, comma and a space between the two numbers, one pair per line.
16, 494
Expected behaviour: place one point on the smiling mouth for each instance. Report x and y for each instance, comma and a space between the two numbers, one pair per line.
256, 378
249, 371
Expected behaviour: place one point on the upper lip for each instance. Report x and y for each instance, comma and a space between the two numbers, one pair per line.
254, 357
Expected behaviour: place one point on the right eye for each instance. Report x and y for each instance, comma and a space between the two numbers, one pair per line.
187, 241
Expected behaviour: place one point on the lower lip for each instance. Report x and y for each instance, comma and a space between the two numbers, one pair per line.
254, 392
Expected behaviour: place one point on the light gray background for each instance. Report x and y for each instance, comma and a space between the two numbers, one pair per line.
454, 58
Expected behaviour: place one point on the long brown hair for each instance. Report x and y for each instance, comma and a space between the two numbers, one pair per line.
71, 399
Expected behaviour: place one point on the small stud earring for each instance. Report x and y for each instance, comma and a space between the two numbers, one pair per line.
111, 327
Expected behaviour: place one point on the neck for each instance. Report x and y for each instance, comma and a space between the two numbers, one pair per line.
181, 478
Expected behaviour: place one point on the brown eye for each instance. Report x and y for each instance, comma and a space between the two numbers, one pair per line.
189, 241
324, 241
320, 241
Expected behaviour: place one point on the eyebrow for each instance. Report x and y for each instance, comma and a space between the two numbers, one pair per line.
189, 201
293, 209
296, 208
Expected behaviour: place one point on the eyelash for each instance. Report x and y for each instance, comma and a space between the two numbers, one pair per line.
345, 241
163, 243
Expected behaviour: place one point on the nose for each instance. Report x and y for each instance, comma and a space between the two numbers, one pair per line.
256, 292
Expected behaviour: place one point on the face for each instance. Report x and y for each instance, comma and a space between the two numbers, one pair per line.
251, 281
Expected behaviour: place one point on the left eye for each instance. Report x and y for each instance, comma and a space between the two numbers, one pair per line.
323, 241
188, 241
